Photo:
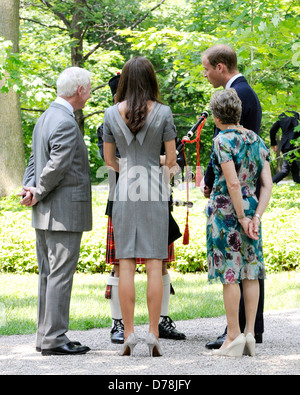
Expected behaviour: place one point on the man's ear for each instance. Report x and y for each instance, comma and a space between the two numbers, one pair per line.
220, 67
80, 90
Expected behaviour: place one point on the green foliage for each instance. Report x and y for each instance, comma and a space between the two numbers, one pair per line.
47, 43
173, 36
281, 234
9, 67
264, 36
17, 243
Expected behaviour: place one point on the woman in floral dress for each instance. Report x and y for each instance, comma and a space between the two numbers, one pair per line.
234, 241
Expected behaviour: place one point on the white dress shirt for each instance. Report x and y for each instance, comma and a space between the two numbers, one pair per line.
229, 83
65, 103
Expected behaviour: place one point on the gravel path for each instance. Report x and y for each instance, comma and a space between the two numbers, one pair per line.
278, 355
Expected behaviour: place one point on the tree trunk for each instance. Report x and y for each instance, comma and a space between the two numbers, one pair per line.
12, 158
77, 49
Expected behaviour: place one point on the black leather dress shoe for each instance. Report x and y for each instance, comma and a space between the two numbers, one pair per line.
258, 338
117, 332
66, 349
215, 345
38, 349
167, 329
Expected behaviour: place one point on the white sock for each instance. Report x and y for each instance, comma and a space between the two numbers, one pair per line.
115, 307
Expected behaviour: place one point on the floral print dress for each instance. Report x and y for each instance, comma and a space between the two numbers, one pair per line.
232, 256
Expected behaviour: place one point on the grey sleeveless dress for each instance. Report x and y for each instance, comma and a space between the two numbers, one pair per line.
140, 208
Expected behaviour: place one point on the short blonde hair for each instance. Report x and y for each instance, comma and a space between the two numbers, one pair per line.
227, 106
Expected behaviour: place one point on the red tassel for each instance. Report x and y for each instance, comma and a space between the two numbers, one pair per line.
198, 176
198, 169
186, 235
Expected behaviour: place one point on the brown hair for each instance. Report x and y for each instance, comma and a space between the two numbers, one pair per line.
137, 85
222, 53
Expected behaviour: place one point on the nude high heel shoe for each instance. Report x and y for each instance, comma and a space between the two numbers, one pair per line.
128, 346
235, 348
154, 346
250, 345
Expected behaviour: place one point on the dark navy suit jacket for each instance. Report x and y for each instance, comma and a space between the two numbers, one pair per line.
287, 124
250, 118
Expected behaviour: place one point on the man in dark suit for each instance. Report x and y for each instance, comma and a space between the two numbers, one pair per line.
58, 188
287, 123
220, 68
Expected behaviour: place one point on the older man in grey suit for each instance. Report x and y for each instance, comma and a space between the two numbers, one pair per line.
57, 187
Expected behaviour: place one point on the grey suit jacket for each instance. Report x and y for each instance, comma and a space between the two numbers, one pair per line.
59, 169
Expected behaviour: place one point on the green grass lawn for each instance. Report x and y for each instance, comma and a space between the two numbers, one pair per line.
193, 298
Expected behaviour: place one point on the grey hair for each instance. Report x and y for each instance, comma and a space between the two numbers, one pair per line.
70, 79
227, 106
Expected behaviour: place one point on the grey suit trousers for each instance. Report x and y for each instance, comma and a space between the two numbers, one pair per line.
57, 254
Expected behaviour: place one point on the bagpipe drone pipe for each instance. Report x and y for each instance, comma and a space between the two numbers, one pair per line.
197, 127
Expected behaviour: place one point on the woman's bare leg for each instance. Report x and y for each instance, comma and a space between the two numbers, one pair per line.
231, 295
251, 297
154, 293
127, 270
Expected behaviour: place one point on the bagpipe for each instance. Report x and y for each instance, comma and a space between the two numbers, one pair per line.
197, 127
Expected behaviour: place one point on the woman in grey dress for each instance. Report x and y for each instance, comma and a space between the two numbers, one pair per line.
137, 125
